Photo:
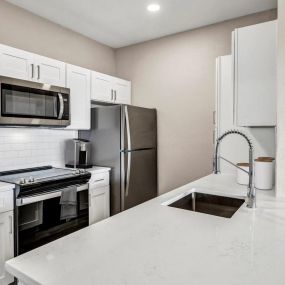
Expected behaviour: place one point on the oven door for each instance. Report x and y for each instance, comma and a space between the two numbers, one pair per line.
30, 103
38, 219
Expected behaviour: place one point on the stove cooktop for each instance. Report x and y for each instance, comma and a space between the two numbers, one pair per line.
39, 175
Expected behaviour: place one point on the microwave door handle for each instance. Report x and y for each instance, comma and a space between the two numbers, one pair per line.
61, 106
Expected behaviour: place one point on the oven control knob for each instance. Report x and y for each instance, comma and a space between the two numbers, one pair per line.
31, 179
77, 171
22, 181
82, 170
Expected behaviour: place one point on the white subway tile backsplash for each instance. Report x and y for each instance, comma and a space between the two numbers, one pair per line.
25, 147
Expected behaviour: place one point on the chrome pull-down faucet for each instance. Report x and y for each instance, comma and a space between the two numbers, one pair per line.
251, 193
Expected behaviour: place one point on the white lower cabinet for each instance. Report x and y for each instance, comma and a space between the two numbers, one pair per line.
78, 79
6, 245
99, 195
99, 204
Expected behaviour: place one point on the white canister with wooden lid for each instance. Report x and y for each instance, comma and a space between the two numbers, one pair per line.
264, 173
242, 177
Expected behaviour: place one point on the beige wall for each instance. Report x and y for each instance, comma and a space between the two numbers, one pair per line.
280, 185
24, 30
176, 74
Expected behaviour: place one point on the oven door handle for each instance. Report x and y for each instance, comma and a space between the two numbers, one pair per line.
45, 196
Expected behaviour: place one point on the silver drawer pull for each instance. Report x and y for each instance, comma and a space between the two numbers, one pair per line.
98, 180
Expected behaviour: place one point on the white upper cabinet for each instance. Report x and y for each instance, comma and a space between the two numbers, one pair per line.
110, 89
101, 87
79, 81
15, 63
122, 91
49, 71
255, 52
20, 64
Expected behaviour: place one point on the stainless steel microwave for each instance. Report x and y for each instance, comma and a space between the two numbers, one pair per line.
26, 103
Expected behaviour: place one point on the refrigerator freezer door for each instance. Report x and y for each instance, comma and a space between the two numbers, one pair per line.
139, 181
140, 131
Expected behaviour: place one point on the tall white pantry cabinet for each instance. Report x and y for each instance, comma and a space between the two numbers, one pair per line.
246, 94
255, 74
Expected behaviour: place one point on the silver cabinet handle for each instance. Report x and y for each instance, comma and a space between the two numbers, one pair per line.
61, 106
39, 75
11, 224
98, 180
112, 94
33, 70
115, 95
214, 117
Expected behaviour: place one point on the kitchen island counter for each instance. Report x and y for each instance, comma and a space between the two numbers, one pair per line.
154, 244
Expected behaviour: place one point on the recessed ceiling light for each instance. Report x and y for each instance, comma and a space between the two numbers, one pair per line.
153, 7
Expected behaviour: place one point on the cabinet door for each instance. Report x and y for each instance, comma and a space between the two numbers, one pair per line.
49, 71
122, 90
6, 245
78, 80
16, 63
255, 74
99, 208
101, 87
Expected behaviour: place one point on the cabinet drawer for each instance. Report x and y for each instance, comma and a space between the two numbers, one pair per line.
99, 179
6, 201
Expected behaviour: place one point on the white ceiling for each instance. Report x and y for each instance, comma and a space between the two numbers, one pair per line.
119, 23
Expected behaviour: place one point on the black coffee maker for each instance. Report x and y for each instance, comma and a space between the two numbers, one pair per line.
77, 153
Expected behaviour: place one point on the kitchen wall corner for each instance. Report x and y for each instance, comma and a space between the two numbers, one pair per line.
280, 171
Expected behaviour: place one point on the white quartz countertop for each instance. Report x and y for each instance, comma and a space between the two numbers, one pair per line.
98, 169
153, 244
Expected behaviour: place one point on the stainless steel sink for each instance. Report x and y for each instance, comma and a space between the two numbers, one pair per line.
208, 204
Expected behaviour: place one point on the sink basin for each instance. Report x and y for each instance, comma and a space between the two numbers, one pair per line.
208, 204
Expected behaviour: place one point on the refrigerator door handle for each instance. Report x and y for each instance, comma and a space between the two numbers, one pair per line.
129, 142
129, 157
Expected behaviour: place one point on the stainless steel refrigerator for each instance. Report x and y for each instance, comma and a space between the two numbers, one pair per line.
124, 138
